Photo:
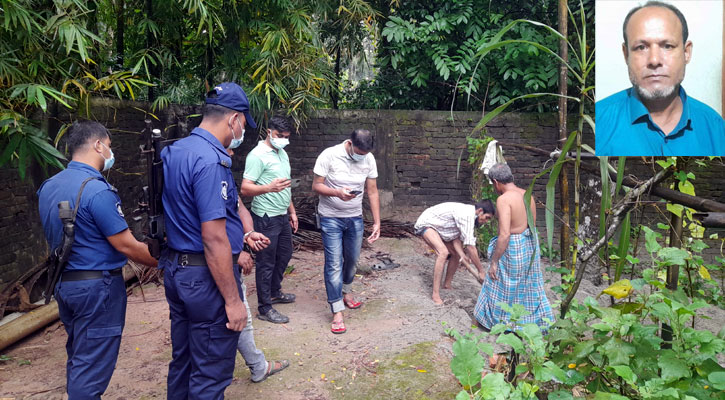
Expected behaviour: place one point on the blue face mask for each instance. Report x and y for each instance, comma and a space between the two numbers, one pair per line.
235, 142
355, 157
107, 162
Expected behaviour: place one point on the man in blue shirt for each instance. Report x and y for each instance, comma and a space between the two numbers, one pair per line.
91, 294
655, 117
205, 236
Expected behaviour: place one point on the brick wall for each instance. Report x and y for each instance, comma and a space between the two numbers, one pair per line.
417, 154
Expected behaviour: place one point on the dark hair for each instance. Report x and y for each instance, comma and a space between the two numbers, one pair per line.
214, 111
82, 132
487, 206
280, 124
654, 3
363, 139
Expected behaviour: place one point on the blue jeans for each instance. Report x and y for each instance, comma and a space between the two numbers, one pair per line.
342, 239
93, 312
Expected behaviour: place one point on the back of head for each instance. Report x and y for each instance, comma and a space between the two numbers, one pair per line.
82, 134
363, 139
281, 124
224, 99
501, 173
214, 112
655, 3
487, 206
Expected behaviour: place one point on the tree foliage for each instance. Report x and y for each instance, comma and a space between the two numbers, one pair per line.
428, 56
60, 53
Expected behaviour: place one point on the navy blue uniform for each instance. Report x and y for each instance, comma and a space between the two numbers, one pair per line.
93, 311
198, 187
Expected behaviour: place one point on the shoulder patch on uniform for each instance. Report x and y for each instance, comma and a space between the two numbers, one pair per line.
119, 209
225, 185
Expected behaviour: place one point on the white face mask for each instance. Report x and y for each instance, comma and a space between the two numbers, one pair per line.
107, 162
235, 142
279, 143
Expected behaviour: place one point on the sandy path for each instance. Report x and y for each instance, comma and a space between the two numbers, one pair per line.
395, 347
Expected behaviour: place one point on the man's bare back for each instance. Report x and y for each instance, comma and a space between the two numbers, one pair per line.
511, 202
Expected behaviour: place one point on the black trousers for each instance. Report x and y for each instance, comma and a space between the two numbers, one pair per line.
272, 261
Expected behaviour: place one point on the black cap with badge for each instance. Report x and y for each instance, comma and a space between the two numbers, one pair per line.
232, 96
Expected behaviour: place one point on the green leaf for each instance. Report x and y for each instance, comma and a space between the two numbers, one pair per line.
625, 373
550, 189
650, 238
672, 367
494, 387
673, 256
717, 379
583, 349
623, 246
617, 351
463, 395
608, 396
467, 363
8, 152
513, 341
560, 395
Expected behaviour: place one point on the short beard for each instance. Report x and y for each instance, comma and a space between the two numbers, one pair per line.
657, 94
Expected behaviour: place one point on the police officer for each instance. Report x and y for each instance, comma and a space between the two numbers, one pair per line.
91, 294
205, 237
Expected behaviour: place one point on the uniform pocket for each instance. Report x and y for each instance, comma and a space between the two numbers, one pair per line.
104, 332
222, 343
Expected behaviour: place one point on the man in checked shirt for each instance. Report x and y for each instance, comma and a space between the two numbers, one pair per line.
446, 228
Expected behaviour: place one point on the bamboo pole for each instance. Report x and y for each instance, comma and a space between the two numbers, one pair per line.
41, 317
27, 324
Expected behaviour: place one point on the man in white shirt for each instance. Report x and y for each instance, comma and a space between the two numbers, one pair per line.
342, 174
446, 228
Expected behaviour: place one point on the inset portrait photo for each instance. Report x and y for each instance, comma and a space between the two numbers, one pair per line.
659, 78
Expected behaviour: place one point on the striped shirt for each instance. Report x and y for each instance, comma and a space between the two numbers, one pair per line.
451, 221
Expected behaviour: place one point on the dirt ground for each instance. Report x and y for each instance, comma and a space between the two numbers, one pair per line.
395, 346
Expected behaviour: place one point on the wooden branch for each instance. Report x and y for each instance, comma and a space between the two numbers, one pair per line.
711, 220
622, 207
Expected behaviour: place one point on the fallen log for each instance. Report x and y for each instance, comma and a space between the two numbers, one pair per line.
27, 324
41, 317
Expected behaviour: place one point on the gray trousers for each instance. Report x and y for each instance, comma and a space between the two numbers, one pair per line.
253, 357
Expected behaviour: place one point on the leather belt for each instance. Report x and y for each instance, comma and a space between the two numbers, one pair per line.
195, 259
84, 275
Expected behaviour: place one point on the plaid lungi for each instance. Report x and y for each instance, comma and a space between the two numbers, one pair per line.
519, 282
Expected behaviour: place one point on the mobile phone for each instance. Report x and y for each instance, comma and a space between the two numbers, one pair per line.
355, 192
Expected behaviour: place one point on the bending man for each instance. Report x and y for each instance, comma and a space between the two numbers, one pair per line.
446, 228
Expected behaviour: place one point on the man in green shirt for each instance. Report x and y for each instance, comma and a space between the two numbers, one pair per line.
267, 179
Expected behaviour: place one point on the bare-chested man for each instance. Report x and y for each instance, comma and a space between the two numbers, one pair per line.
513, 276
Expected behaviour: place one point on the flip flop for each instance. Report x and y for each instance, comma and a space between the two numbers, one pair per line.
272, 370
352, 304
338, 328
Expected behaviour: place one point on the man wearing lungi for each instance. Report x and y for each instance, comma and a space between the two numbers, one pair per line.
513, 278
